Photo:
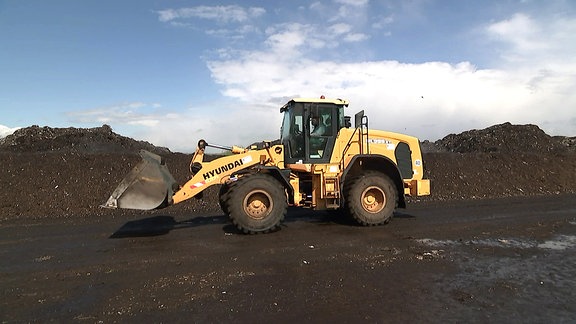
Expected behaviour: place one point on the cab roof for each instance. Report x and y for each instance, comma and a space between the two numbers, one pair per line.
338, 101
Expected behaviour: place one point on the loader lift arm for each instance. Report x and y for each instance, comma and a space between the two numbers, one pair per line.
150, 185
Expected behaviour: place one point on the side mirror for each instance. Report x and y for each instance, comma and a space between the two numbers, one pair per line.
358, 119
347, 122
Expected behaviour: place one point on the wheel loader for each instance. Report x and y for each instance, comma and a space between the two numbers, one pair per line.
360, 172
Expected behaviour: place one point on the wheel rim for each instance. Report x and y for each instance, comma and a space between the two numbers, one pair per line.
373, 199
258, 204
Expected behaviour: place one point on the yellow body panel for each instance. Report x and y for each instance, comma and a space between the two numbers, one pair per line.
417, 187
349, 144
378, 142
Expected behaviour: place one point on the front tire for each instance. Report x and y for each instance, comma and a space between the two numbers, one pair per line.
256, 204
223, 196
371, 198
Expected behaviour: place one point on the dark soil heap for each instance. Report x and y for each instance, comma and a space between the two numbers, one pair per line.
500, 161
70, 172
80, 140
504, 138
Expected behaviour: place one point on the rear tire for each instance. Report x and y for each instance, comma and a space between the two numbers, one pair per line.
256, 204
371, 198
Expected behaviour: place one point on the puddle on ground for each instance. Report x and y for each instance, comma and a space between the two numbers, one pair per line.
562, 242
559, 242
476, 242
536, 283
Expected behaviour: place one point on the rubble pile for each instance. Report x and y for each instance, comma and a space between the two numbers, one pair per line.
70, 172
81, 140
505, 138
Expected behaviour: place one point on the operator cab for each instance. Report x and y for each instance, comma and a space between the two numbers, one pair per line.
310, 127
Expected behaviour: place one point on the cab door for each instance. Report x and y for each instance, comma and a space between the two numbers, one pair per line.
319, 146
302, 145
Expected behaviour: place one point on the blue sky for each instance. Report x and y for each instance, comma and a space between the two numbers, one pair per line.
172, 72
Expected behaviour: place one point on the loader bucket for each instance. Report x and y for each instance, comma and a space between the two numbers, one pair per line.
148, 186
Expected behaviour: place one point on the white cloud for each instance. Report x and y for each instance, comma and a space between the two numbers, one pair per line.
345, 30
429, 99
383, 22
355, 3
236, 33
521, 32
549, 41
5, 130
532, 82
225, 14
236, 124
291, 37
353, 12
356, 37
231, 22
229, 124
340, 28
134, 113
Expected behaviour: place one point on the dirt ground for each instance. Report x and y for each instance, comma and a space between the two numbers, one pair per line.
494, 242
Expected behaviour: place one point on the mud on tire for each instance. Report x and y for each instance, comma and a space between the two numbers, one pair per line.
371, 198
256, 203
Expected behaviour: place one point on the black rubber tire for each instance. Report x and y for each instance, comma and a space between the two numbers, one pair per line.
256, 204
371, 198
223, 196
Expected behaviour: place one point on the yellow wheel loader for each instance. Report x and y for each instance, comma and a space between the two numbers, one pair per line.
321, 161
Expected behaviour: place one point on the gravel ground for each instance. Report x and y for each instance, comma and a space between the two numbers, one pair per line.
494, 242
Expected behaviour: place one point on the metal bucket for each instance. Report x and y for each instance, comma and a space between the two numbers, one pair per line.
148, 186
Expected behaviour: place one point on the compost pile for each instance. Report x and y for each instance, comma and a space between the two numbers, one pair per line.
70, 172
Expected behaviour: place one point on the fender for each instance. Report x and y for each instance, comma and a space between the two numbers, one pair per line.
360, 163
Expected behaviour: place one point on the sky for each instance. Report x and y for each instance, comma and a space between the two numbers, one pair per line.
174, 72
